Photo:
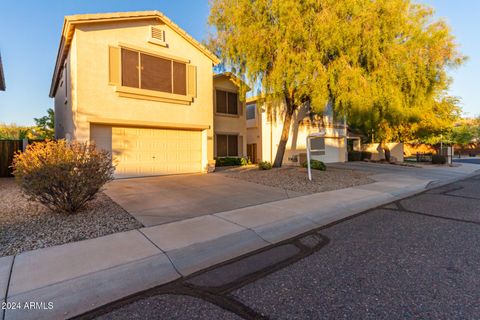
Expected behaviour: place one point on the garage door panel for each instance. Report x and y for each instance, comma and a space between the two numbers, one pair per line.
146, 151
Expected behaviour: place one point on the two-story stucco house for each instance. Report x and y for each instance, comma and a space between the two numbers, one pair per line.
140, 87
264, 128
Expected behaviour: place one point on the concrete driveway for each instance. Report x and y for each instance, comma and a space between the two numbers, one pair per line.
159, 200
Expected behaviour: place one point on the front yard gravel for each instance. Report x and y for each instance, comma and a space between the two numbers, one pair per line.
27, 225
296, 179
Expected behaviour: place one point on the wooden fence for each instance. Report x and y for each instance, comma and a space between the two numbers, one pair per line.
7, 151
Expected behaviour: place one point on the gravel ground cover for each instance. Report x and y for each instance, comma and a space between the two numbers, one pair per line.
27, 225
295, 178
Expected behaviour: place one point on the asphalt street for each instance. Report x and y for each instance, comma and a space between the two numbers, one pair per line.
415, 258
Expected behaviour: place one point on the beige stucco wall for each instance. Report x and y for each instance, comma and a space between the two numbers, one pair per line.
396, 150
230, 124
95, 99
271, 130
63, 102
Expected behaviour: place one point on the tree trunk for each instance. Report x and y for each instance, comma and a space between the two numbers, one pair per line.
284, 137
386, 150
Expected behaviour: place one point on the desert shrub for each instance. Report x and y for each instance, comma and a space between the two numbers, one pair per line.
354, 156
366, 155
231, 161
438, 159
245, 162
62, 176
316, 165
264, 165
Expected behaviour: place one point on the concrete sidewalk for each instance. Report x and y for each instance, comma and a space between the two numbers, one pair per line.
81, 276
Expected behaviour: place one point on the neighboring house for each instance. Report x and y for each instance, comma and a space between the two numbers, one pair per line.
138, 86
229, 121
2, 76
264, 128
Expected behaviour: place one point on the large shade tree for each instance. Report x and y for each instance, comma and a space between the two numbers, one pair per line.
380, 63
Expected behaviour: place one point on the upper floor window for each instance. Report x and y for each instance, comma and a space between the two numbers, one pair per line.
251, 111
145, 71
226, 102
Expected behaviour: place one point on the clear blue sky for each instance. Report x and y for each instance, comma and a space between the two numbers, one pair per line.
30, 33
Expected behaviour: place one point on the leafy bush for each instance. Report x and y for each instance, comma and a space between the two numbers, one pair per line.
264, 165
366, 155
354, 156
316, 165
62, 176
232, 161
438, 159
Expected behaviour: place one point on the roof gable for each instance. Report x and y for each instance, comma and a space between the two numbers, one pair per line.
71, 22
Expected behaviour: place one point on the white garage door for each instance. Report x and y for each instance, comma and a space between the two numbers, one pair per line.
145, 151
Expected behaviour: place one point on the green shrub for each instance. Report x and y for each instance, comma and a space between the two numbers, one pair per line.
264, 165
354, 156
439, 159
62, 176
359, 155
231, 161
366, 155
316, 165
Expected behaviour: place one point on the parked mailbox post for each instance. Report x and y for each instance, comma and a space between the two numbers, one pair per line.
310, 137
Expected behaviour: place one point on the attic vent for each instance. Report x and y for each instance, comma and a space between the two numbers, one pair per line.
157, 36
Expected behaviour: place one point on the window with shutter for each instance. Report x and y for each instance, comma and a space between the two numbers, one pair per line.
143, 73
226, 102
227, 145
251, 111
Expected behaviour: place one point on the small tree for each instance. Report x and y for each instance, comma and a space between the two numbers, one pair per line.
62, 176
45, 126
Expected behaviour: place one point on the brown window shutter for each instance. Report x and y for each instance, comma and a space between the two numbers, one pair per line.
114, 65
221, 101
222, 145
232, 146
179, 78
192, 81
156, 73
130, 65
232, 103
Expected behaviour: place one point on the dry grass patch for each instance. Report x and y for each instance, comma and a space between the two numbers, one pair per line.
295, 178
27, 225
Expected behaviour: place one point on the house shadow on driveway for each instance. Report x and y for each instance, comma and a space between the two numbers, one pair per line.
163, 199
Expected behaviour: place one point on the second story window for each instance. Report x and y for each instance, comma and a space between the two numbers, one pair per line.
145, 71
251, 111
226, 102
